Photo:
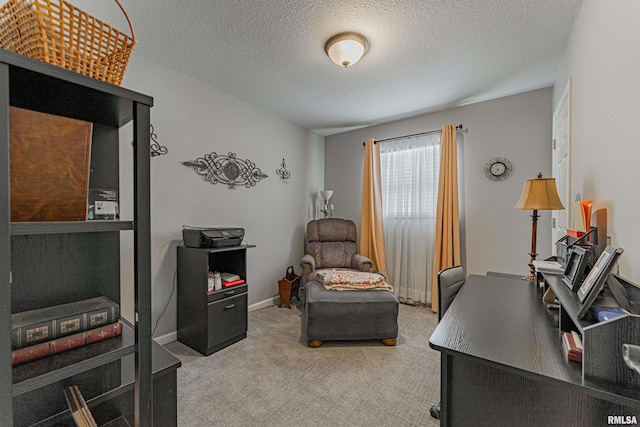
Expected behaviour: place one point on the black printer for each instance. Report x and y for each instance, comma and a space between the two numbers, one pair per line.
219, 237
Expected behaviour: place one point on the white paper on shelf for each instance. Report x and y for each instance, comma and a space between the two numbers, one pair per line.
548, 266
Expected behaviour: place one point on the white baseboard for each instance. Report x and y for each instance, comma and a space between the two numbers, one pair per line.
167, 338
264, 304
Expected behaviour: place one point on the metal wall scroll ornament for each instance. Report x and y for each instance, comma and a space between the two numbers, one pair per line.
227, 170
283, 172
156, 148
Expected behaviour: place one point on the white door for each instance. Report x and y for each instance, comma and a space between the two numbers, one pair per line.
561, 168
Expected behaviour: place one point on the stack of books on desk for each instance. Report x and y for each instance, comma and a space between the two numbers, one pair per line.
50, 330
572, 344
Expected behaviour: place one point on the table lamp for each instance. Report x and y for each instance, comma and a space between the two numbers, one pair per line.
538, 194
328, 209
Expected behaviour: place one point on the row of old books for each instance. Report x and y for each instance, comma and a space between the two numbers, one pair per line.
43, 332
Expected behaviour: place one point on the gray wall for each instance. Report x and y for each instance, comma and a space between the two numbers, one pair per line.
497, 236
192, 119
603, 61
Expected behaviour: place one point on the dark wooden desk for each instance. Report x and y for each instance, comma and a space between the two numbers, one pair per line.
503, 363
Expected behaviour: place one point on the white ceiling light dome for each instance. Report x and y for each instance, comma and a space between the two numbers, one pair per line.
345, 49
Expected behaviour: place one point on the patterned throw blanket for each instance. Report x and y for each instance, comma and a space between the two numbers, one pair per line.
339, 280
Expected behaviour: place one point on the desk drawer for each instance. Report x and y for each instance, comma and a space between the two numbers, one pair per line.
226, 293
226, 318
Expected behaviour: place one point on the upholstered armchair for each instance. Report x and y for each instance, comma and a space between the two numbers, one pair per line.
332, 243
345, 314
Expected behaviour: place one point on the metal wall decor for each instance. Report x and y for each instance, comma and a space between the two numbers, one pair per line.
227, 170
283, 172
156, 148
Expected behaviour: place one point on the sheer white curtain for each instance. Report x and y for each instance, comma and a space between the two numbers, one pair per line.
409, 169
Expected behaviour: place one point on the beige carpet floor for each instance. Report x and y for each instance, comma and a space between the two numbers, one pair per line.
272, 378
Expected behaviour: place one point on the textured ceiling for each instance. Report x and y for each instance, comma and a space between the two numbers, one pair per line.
424, 55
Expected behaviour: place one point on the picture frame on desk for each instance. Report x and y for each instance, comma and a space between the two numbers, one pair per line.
576, 266
595, 280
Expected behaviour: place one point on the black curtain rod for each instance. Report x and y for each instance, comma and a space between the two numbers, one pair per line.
415, 134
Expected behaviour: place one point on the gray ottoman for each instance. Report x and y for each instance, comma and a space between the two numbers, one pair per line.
350, 315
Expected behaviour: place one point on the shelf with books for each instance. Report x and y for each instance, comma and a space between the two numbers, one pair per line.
41, 372
47, 263
32, 328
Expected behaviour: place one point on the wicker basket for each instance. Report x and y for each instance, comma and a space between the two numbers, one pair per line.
60, 34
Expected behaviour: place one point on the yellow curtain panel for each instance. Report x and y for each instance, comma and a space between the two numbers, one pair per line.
371, 228
447, 243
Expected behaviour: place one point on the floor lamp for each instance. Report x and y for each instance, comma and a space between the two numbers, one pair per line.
328, 209
538, 194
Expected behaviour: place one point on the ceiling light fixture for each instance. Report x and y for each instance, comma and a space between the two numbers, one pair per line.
346, 49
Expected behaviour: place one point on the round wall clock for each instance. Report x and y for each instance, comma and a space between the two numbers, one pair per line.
498, 169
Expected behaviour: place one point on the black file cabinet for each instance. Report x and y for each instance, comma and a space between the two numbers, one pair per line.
211, 321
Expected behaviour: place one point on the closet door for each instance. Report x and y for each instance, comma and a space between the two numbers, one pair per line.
561, 159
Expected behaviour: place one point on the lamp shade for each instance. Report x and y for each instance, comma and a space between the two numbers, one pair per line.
346, 49
539, 194
326, 194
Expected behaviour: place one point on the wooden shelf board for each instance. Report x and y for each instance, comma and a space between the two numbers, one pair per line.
57, 91
226, 248
59, 227
162, 362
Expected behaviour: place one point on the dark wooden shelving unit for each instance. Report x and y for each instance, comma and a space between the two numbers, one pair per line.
602, 362
49, 263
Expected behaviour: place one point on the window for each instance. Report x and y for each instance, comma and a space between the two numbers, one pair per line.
410, 169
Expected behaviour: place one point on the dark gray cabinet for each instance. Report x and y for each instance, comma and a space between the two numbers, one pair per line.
50, 263
211, 321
